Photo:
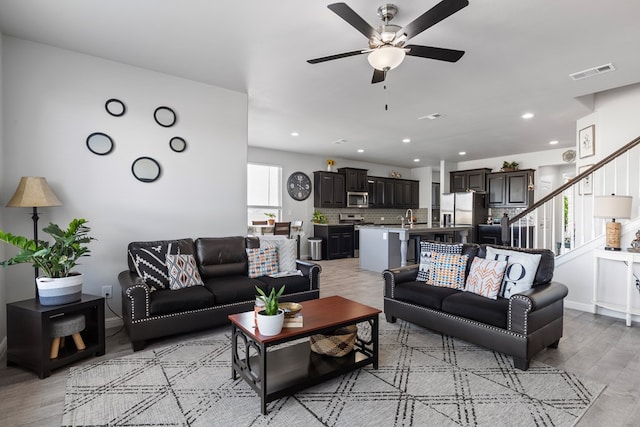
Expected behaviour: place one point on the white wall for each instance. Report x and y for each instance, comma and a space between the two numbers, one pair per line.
3, 294
54, 98
615, 117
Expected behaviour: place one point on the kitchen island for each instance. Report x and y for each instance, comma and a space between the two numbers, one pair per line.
384, 247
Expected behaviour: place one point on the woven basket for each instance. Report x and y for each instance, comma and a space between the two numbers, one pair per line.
337, 343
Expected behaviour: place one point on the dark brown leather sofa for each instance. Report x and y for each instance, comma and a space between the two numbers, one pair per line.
222, 263
520, 326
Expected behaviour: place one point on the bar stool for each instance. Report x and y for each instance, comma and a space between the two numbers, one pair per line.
63, 327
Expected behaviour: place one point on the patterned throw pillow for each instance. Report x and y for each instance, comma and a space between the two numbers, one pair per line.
520, 272
286, 251
485, 277
262, 261
151, 264
447, 270
183, 272
426, 251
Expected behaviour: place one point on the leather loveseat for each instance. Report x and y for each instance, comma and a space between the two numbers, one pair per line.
519, 326
223, 267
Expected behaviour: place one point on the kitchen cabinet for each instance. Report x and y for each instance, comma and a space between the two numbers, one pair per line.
329, 190
492, 234
337, 240
393, 193
355, 179
468, 180
510, 189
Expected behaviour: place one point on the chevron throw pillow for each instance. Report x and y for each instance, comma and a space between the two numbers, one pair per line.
485, 277
183, 272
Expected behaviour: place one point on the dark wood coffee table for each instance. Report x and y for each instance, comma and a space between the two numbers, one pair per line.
283, 371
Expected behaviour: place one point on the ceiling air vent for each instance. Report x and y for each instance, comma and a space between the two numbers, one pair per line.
592, 71
431, 116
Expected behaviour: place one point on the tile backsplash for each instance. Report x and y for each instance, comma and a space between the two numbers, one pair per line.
391, 216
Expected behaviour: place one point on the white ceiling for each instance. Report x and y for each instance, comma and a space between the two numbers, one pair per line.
519, 55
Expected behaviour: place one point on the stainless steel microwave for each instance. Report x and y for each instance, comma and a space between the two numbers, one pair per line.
357, 199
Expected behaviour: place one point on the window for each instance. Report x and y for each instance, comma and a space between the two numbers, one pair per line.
263, 191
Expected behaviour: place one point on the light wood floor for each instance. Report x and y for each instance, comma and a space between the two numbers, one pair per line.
593, 346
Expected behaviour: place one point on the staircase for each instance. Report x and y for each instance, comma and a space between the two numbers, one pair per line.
563, 220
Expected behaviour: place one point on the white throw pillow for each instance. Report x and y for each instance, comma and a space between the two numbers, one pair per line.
520, 272
286, 249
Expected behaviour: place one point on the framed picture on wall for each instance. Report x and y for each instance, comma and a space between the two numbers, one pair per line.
587, 141
586, 185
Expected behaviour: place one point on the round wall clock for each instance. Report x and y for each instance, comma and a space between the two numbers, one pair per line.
299, 186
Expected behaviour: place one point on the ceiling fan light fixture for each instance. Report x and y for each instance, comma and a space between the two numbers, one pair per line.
386, 58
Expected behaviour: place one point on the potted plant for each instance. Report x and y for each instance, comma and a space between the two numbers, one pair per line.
271, 318
509, 166
318, 217
272, 218
58, 284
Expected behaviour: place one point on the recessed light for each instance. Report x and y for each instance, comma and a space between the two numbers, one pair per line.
462, 153
295, 134
406, 140
554, 142
416, 160
360, 150
527, 115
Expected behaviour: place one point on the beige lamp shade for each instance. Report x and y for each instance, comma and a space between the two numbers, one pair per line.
612, 207
33, 191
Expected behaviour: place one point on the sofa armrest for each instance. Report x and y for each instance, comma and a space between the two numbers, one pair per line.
521, 305
398, 275
135, 296
310, 270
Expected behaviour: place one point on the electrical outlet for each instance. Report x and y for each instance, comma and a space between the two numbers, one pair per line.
381, 218
107, 291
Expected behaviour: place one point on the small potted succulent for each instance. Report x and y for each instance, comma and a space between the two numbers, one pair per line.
271, 318
272, 218
509, 166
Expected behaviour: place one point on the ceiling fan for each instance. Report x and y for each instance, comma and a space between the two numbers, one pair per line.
387, 43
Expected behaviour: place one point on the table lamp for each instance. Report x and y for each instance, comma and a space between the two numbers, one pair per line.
612, 207
33, 192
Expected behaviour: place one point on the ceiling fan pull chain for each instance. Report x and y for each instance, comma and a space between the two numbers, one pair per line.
386, 99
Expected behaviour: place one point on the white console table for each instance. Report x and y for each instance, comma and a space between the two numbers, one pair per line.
621, 256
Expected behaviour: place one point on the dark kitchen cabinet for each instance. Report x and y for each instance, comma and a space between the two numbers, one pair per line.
329, 190
337, 240
393, 193
388, 195
355, 179
492, 234
510, 189
468, 180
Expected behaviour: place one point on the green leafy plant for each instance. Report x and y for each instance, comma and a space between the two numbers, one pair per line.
510, 165
270, 215
55, 259
318, 217
270, 301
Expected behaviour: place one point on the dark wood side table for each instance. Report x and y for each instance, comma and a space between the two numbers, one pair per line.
29, 337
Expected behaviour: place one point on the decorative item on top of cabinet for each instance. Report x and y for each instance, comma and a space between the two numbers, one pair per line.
468, 180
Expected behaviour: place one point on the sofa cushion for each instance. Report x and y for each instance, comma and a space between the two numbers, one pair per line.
183, 271
151, 265
221, 256
485, 277
420, 294
427, 249
262, 261
478, 308
520, 272
447, 270
233, 289
292, 284
166, 301
185, 246
545, 268
286, 251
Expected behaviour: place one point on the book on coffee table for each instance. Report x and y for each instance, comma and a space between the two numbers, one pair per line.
293, 321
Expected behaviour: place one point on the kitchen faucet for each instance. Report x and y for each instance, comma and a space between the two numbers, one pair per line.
409, 215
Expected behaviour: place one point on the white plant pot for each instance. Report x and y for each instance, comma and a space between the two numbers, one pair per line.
270, 325
63, 290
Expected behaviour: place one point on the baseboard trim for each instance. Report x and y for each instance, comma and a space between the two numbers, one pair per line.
3, 347
113, 322
589, 308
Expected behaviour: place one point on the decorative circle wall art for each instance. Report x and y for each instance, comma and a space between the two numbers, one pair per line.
100, 143
178, 144
145, 169
165, 116
115, 107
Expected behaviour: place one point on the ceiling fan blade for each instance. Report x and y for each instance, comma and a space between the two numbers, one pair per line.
378, 76
439, 53
338, 56
431, 17
353, 19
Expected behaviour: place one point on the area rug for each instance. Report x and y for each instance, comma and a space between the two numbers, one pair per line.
424, 379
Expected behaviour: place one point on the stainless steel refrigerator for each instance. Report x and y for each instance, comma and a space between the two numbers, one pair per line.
464, 209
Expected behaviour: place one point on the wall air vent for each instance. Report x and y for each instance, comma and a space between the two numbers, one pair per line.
431, 116
592, 71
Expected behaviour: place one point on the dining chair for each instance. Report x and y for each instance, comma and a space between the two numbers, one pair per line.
282, 228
